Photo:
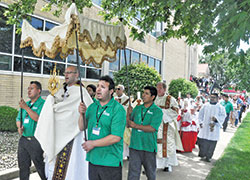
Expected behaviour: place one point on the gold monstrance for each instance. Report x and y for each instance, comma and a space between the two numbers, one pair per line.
54, 81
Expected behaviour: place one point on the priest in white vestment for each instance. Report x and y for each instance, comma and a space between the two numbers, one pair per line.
168, 138
211, 118
124, 101
59, 134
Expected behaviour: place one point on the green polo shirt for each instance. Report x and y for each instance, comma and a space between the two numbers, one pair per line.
112, 122
29, 124
146, 141
228, 106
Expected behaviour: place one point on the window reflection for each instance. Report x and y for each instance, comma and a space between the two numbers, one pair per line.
93, 73
158, 66
5, 33
151, 62
49, 66
115, 65
135, 58
144, 59
36, 23
5, 63
29, 65
128, 57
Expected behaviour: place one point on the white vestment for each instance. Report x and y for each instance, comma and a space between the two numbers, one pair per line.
173, 137
205, 115
58, 125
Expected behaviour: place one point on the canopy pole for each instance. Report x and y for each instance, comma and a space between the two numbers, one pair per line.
126, 66
21, 113
78, 67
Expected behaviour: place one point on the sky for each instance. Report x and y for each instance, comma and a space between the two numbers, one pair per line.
244, 46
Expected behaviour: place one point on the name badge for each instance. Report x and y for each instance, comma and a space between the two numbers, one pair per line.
96, 131
139, 130
26, 120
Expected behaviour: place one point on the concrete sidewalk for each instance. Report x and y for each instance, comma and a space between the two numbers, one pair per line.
190, 167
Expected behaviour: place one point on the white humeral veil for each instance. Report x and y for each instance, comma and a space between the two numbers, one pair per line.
58, 125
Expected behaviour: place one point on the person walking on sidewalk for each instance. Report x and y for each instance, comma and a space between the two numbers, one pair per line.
229, 110
211, 118
144, 121
28, 146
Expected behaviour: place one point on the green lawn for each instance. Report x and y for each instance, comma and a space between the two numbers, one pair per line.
235, 162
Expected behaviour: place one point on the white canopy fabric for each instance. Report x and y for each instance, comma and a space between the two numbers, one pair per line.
97, 41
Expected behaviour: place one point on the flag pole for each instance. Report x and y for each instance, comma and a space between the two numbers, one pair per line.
21, 113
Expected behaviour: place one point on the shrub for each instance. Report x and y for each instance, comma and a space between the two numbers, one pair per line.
184, 86
139, 76
8, 118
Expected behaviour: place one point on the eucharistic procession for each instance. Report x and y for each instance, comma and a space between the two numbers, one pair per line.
112, 90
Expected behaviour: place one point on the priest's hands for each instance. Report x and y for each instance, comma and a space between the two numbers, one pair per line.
88, 145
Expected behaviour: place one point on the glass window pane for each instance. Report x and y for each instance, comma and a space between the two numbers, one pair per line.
49, 66
27, 51
93, 73
82, 72
36, 23
158, 66
115, 65
57, 58
135, 58
72, 59
30, 66
151, 62
6, 32
49, 25
5, 63
128, 53
144, 59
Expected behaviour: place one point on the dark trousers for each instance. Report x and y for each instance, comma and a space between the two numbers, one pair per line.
30, 149
226, 122
137, 158
206, 148
97, 172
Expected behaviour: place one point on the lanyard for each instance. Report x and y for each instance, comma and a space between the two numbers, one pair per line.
98, 118
30, 108
143, 116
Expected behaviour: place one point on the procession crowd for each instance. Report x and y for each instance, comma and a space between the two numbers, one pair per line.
73, 136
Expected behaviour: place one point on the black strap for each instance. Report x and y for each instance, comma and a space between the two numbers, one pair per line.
143, 116
98, 118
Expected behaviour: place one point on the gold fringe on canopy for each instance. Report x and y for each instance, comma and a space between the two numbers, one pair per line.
97, 41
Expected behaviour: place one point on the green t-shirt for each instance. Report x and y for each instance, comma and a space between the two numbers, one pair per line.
112, 121
228, 106
146, 141
29, 124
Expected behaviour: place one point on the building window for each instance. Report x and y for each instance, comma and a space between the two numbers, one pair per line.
144, 59
49, 25
29, 65
115, 66
5, 63
158, 65
6, 33
128, 57
93, 73
48, 67
135, 57
151, 62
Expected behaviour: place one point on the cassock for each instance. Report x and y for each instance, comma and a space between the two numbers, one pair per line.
168, 138
207, 137
60, 137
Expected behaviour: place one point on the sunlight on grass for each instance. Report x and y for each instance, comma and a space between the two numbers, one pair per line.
235, 162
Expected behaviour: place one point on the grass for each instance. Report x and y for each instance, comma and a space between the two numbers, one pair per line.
235, 162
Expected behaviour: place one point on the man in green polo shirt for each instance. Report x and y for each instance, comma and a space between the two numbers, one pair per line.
229, 110
28, 147
106, 123
145, 121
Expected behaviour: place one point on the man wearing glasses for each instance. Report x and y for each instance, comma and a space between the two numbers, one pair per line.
59, 133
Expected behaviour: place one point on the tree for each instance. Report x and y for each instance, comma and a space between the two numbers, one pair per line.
221, 24
139, 76
227, 71
184, 86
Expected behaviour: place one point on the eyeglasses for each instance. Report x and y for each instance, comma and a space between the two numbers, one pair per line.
69, 72
118, 89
